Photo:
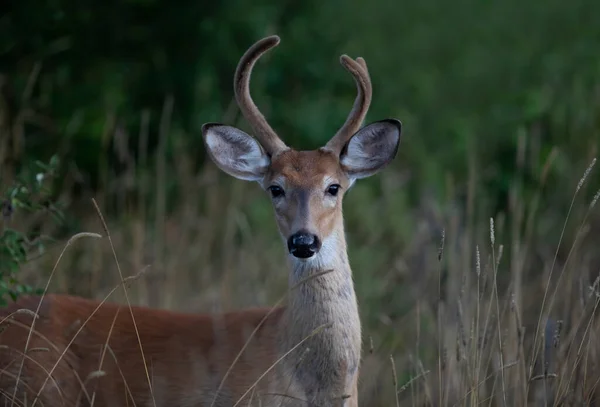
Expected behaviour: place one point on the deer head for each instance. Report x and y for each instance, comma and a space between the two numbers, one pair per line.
306, 187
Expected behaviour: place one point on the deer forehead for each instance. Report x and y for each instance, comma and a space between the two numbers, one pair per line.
306, 169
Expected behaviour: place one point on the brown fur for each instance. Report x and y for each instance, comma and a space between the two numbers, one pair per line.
187, 355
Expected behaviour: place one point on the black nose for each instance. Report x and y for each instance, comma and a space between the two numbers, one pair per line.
303, 244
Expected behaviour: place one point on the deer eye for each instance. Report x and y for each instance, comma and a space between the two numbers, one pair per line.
276, 191
333, 189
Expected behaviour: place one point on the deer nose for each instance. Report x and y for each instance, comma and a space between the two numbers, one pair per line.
303, 244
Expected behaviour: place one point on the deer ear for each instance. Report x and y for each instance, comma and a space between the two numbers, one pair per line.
235, 152
371, 148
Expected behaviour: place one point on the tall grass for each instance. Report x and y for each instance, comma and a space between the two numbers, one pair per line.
473, 307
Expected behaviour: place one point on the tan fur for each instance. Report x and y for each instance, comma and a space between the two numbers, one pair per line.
305, 354
302, 173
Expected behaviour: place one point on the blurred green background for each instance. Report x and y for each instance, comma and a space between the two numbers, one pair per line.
500, 103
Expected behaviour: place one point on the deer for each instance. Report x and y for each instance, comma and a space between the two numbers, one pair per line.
63, 350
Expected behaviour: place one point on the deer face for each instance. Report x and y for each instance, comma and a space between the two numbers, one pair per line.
306, 187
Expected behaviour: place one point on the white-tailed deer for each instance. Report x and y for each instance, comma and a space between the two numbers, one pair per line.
304, 354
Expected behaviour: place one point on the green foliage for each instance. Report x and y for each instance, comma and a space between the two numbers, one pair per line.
30, 192
465, 89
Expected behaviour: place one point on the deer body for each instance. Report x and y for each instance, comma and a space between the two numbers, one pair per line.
187, 355
82, 352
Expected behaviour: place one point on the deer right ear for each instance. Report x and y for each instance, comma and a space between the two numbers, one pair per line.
371, 148
235, 152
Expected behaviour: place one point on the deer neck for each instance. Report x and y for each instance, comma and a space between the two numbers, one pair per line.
322, 313
320, 284
323, 280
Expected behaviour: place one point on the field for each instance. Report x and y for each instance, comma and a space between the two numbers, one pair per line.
475, 254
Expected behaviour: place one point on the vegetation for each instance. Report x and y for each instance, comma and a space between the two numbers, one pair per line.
475, 253
28, 194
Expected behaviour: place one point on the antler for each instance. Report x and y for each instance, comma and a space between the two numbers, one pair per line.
358, 69
241, 83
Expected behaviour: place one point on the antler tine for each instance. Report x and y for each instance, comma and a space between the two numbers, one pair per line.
358, 69
241, 83
363, 63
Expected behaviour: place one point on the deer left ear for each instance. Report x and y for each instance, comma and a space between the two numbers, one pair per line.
371, 148
235, 152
